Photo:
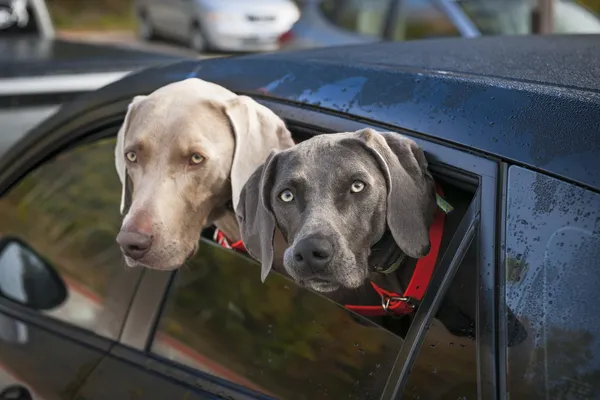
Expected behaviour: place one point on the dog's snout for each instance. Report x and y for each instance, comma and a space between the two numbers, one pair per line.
314, 252
134, 244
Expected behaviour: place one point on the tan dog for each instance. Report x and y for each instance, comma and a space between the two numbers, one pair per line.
183, 155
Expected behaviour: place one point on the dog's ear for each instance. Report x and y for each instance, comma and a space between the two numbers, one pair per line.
257, 131
120, 156
255, 215
411, 200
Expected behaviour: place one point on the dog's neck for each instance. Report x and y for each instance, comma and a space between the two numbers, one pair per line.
389, 266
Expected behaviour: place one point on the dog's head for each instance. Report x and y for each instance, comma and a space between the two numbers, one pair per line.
182, 153
333, 197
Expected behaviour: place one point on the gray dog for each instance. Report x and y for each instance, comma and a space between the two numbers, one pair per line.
346, 203
333, 197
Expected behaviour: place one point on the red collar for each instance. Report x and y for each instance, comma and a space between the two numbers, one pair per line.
220, 238
396, 304
391, 303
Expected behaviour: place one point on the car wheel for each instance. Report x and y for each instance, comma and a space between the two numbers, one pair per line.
145, 28
197, 39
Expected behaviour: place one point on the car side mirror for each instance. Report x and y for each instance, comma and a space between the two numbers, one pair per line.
27, 278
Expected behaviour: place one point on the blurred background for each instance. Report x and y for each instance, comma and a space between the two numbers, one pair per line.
218, 27
53, 50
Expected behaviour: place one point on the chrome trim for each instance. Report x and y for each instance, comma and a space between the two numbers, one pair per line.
58, 83
463, 23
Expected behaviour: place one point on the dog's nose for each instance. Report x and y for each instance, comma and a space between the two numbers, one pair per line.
134, 244
314, 252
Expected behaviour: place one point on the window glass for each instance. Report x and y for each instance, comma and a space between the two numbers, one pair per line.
67, 210
552, 281
364, 17
513, 17
446, 367
276, 338
420, 19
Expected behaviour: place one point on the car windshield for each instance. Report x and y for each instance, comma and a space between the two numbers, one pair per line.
513, 17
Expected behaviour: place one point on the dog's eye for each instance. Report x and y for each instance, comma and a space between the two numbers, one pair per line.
196, 159
286, 196
357, 186
131, 156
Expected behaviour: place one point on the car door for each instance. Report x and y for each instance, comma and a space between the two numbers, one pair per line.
65, 210
213, 330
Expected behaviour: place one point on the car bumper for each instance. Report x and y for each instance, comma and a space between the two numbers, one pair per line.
245, 43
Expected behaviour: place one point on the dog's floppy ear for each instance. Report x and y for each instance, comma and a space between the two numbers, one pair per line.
120, 156
255, 215
257, 131
411, 201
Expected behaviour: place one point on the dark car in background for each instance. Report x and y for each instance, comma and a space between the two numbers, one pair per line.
76, 324
39, 72
326, 23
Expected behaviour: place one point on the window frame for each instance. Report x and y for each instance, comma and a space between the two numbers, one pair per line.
29, 163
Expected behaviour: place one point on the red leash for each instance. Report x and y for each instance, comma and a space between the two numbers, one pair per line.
396, 304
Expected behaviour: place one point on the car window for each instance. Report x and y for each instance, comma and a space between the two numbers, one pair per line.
420, 19
363, 17
280, 339
276, 338
552, 281
67, 210
446, 366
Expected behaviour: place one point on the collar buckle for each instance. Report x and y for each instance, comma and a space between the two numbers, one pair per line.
386, 300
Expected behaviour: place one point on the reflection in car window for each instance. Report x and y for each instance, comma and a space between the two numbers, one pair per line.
276, 338
552, 281
421, 19
446, 367
364, 17
68, 211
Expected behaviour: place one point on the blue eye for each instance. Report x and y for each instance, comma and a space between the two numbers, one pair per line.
357, 186
286, 196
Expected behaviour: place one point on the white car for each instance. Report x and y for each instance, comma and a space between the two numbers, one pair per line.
222, 25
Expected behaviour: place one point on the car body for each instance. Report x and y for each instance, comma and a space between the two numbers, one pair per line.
521, 137
325, 23
230, 25
38, 72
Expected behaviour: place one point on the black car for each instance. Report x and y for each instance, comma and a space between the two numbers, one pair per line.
513, 121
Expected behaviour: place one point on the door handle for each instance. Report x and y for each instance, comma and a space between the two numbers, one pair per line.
15, 392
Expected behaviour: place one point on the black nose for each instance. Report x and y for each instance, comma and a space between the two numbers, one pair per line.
314, 252
134, 244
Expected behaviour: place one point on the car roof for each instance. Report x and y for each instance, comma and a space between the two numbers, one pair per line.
34, 56
567, 60
537, 105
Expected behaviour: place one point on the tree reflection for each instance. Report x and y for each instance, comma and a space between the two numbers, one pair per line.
284, 338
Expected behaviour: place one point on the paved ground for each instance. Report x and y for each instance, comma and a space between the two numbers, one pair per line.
129, 40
